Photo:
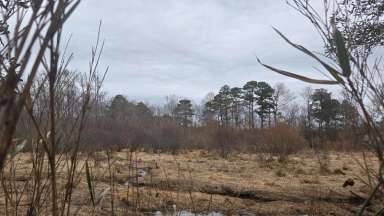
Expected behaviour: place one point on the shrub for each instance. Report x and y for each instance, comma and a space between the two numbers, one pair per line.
169, 137
281, 141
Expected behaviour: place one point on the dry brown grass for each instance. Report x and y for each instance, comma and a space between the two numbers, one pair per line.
200, 181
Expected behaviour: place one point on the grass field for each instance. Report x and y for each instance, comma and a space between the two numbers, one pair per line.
197, 181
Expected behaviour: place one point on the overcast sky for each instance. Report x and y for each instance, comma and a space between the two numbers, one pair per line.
190, 47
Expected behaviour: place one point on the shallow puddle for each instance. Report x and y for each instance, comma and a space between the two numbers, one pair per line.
186, 213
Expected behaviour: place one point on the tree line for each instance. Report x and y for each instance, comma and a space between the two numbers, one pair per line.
317, 116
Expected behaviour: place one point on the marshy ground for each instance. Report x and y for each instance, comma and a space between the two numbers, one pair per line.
197, 181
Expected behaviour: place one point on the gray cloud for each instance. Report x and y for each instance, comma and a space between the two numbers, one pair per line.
190, 47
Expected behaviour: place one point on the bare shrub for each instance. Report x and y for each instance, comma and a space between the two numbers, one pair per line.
26, 28
225, 141
281, 141
224, 138
169, 137
54, 117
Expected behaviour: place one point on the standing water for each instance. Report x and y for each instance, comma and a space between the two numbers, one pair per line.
186, 213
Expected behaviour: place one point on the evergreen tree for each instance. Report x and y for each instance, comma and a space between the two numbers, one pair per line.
250, 100
184, 112
325, 109
118, 107
236, 100
265, 102
143, 112
224, 99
